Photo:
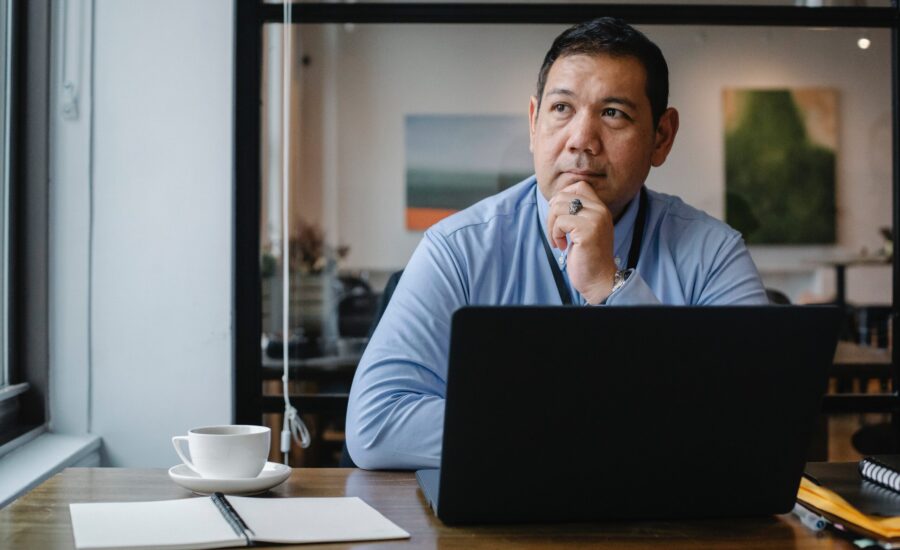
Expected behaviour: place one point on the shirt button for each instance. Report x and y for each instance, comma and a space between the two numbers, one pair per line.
562, 261
618, 261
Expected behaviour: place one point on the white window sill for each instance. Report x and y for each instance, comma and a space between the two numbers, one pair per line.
30, 464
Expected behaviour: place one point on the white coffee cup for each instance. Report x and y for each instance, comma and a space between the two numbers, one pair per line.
225, 452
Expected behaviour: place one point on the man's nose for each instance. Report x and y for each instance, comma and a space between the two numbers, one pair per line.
584, 135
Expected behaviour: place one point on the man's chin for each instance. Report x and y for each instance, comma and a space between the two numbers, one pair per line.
599, 184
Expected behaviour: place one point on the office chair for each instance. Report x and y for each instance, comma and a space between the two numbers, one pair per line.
777, 297
351, 284
385, 298
355, 314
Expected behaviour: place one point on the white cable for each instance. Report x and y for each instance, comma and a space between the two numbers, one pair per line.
293, 425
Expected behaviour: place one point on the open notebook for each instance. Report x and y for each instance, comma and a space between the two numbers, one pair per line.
218, 521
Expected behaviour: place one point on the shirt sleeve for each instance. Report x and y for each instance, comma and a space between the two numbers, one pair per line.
733, 278
728, 277
395, 414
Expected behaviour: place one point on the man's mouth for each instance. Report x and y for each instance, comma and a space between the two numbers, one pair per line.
585, 173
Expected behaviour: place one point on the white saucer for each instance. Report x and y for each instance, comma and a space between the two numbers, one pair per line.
272, 474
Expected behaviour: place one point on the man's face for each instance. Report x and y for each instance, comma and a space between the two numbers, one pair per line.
595, 124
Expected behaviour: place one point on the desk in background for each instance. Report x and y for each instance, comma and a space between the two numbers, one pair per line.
851, 359
40, 519
840, 266
319, 388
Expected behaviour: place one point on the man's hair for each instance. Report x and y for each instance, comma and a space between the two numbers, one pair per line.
611, 36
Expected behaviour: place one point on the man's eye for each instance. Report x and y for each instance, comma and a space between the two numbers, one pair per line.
559, 108
615, 113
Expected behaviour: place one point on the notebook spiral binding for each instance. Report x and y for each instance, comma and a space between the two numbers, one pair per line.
231, 516
876, 472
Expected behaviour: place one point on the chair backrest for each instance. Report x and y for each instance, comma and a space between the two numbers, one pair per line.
385, 298
777, 297
355, 314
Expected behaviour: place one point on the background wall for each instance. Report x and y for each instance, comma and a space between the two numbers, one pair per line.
160, 309
370, 77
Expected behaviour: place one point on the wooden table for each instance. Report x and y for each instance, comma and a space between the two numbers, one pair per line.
840, 266
40, 520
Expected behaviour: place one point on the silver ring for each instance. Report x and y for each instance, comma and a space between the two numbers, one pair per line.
575, 206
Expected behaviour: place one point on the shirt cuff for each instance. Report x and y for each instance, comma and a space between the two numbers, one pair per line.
635, 292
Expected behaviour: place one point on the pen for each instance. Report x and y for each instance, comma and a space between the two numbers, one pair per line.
813, 521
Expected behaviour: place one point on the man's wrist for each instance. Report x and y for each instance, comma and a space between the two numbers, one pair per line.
601, 290
619, 279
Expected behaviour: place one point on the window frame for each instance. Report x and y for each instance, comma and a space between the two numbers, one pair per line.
6, 50
25, 395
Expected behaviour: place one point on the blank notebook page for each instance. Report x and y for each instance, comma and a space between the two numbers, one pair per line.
292, 520
185, 523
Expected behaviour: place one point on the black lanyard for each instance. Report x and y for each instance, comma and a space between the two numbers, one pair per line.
637, 237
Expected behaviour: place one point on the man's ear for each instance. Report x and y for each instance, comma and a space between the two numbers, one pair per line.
665, 136
532, 121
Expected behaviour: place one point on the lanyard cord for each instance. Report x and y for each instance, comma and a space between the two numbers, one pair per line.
634, 253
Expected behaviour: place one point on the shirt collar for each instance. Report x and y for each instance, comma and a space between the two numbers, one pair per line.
622, 230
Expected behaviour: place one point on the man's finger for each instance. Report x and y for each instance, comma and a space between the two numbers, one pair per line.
562, 225
560, 206
563, 202
582, 189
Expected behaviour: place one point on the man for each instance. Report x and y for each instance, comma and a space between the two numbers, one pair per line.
583, 230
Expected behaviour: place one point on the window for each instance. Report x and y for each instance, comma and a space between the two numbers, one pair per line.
5, 96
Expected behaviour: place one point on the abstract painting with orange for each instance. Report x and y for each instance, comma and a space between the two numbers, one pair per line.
453, 161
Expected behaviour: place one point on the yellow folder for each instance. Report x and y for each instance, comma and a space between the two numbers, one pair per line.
840, 511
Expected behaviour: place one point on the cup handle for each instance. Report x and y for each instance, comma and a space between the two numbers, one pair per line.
177, 443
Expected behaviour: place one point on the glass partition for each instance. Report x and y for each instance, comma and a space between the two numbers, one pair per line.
362, 92
393, 126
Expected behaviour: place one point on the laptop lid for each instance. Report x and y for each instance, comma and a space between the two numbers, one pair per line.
567, 414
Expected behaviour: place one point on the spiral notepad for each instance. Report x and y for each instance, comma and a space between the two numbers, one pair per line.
220, 522
883, 470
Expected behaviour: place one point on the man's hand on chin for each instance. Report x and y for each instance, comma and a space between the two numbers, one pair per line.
590, 263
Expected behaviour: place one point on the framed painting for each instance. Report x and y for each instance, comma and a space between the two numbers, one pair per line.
453, 161
780, 150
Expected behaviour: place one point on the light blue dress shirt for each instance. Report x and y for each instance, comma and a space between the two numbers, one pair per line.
491, 254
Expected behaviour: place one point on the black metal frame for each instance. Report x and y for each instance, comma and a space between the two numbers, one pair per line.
648, 14
17, 119
247, 367
27, 332
252, 14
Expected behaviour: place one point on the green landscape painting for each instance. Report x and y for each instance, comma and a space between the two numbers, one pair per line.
453, 161
780, 149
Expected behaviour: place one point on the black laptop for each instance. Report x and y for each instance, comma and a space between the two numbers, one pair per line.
592, 413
